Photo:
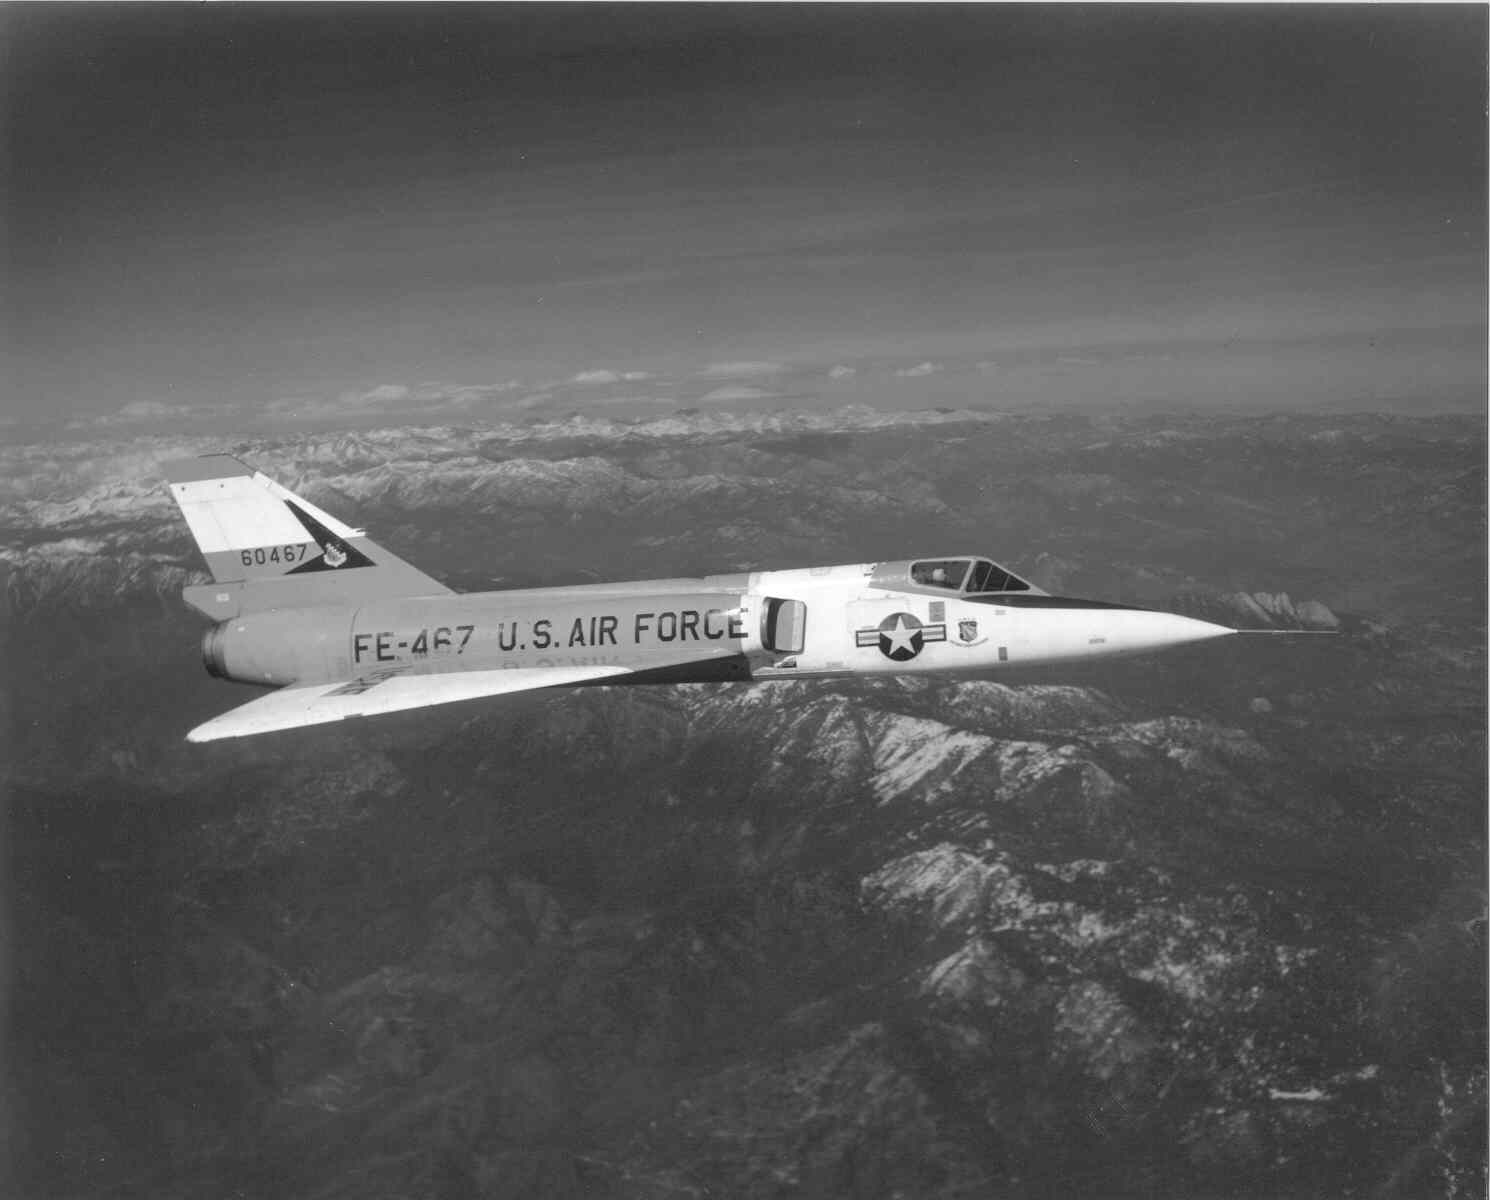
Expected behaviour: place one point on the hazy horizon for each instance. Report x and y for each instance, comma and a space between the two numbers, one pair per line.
260, 213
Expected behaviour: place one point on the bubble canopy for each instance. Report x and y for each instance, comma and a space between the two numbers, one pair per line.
968, 575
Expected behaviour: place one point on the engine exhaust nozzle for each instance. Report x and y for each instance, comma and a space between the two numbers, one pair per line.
212, 651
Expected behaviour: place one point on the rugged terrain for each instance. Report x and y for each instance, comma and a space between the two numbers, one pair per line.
1209, 924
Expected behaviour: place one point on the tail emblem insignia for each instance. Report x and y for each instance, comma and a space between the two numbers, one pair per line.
334, 552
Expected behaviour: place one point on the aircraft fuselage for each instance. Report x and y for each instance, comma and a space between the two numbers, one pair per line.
818, 622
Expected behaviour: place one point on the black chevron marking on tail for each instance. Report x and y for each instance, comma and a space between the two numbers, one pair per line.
336, 554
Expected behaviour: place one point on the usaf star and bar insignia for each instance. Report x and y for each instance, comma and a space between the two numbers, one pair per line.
901, 636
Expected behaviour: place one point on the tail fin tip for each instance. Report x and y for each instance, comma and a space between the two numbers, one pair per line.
205, 467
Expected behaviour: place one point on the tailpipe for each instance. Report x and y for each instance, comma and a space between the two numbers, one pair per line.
212, 651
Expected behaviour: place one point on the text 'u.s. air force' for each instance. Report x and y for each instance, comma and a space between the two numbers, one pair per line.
544, 633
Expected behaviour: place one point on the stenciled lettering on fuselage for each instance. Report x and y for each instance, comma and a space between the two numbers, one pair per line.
386, 644
586, 631
900, 636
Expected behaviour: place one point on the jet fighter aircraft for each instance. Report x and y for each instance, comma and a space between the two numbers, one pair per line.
339, 627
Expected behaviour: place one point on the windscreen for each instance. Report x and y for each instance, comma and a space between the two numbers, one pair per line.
990, 577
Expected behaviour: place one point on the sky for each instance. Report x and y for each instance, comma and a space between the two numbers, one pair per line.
307, 211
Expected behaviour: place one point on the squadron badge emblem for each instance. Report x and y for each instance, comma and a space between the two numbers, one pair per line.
334, 552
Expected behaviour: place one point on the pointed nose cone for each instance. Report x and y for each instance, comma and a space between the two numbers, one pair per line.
1139, 631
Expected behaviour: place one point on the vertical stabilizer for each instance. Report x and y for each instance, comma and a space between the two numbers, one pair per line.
269, 548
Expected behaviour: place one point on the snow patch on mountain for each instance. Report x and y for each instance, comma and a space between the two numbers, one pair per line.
1187, 949
1024, 765
975, 975
1213, 750
1276, 610
927, 757
953, 887
75, 571
998, 707
1094, 1027
893, 756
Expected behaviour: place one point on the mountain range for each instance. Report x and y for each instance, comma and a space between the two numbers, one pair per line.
1207, 924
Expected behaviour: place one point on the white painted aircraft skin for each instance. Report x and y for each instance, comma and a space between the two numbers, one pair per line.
341, 628
958, 633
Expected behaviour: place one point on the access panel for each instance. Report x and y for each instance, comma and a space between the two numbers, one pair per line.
784, 625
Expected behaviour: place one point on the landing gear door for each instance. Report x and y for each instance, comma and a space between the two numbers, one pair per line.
784, 626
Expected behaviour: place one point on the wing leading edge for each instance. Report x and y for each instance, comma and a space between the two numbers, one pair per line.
317, 704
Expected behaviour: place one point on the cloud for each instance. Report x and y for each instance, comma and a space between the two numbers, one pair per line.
741, 370
149, 412
842, 372
384, 398
622, 401
466, 398
394, 399
920, 370
735, 393
604, 376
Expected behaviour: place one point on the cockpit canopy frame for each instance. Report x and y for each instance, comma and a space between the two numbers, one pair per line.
951, 575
